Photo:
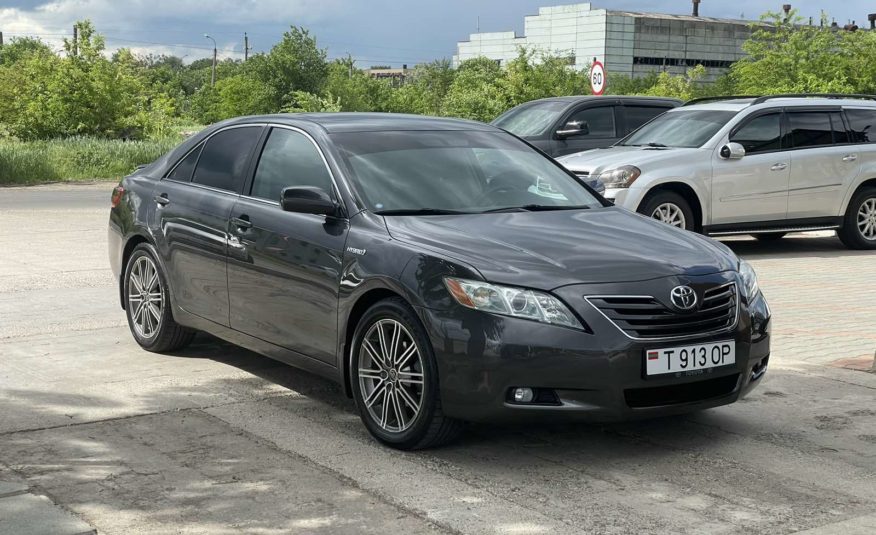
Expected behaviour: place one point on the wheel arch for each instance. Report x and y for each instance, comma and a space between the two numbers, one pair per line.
363, 302
868, 183
687, 192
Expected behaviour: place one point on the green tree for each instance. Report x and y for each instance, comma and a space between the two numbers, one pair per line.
293, 64
231, 97
534, 75
20, 48
477, 91
302, 101
356, 90
786, 56
684, 87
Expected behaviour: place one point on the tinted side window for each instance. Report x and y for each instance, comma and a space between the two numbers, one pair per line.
183, 170
760, 134
809, 129
599, 121
639, 115
863, 124
289, 159
223, 158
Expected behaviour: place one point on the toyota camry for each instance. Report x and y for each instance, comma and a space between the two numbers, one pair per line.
440, 270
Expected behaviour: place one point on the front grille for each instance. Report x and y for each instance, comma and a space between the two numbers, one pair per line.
657, 396
646, 318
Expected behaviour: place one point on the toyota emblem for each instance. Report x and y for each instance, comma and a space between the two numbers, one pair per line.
683, 297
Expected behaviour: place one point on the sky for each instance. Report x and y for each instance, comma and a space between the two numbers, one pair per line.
374, 32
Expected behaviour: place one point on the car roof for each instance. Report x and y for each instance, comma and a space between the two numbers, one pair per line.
336, 122
583, 98
739, 104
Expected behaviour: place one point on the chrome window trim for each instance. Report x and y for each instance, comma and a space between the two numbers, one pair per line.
723, 330
203, 142
335, 189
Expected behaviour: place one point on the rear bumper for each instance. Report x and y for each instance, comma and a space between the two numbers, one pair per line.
593, 377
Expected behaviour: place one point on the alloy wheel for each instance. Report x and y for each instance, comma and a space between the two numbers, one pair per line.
391, 375
145, 297
867, 219
671, 214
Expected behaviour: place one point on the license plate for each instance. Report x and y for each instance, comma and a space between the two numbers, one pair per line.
689, 358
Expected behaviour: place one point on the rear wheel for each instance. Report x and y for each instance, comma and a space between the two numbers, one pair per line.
859, 224
147, 304
395, 379
769, 236
670, 208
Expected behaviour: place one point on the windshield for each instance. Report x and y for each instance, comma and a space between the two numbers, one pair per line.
455, 171
531, 119
685, 128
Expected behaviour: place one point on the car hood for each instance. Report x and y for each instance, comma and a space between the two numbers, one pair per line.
545, 250
598, 160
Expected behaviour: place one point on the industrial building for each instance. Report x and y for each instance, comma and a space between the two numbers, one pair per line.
629, 43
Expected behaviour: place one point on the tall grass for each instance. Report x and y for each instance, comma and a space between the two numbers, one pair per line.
82, 158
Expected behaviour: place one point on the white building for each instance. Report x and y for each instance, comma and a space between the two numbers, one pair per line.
628, 43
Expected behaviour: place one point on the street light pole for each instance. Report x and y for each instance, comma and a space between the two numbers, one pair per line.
213, 77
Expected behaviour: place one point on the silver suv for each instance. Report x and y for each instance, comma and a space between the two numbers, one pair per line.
763, 166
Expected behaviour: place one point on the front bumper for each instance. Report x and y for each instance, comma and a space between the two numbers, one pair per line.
594, 377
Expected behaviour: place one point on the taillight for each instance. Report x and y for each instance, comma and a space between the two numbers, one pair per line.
118, 192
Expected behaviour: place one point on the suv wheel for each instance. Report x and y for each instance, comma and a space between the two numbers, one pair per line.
147, 304
670, 208
395, 379
859, 224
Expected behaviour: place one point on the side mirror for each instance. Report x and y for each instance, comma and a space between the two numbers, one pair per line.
573, 129
732, 151
308, 200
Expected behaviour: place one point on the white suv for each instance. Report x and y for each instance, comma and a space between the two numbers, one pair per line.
764, 166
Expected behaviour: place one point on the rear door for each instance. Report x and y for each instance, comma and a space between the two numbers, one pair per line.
635, 115
823, 162
598, 121
284, 268
192, 207
754, 188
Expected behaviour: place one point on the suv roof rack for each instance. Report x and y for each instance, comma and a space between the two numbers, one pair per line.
761, 100
715, 99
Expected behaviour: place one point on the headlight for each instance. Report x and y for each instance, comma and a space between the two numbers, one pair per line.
516, 302
749, 280
619, 177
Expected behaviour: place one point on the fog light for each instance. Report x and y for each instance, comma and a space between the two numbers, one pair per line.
523, 395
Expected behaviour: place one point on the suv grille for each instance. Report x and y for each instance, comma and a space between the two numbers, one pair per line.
645, 317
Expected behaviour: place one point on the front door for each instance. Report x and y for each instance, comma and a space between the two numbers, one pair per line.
754, 188
284, 268
823, 163
598, 127
191, 219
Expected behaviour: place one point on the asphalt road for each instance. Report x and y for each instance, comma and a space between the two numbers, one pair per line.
219, 440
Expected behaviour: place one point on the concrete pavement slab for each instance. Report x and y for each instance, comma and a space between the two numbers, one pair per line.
27, 514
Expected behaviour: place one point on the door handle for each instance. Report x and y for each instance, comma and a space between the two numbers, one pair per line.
779, 167
242, 223
850, 157
162, 200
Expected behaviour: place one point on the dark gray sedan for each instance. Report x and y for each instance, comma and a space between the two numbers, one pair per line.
440, 270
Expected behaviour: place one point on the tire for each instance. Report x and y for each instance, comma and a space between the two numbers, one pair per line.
858, 230
670, 208
769, 236
156, 332
397, 410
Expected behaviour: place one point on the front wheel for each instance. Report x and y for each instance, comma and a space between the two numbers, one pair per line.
670, 208
395, 379
859, 224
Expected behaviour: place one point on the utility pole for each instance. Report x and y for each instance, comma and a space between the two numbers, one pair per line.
213, 77
75, 40
246, 47
1, 39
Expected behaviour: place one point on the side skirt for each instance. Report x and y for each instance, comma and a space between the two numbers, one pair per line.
267, 349
782, 225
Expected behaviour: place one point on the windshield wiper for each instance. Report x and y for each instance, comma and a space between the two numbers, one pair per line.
420, 211
535, 208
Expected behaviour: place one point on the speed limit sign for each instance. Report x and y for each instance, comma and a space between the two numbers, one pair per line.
597, 77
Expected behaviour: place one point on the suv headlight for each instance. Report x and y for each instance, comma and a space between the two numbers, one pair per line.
515, 302
619, 177
749, 280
